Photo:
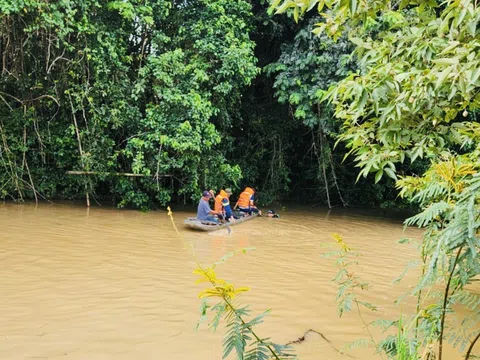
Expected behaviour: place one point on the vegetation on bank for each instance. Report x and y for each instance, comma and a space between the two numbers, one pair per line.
186, 95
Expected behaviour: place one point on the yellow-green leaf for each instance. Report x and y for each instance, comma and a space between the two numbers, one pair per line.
442, 76
311, 4
390, 173
353, 6
296, 14
286, 5
446, 61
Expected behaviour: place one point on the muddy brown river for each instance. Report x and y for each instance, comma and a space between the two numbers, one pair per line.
103, 283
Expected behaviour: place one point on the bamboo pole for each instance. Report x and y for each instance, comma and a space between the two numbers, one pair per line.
79, 140
25, 162
74, 172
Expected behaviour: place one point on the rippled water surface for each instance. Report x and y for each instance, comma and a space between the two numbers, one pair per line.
101, 283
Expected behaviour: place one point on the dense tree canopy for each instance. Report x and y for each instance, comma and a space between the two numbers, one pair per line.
415, 95
147, 100
184, 95
121, 86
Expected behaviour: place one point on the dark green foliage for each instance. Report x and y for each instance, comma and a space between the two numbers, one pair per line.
293, 142
123, 86
306, 69
213, 93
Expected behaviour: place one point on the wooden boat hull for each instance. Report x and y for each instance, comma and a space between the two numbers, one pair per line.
195, 224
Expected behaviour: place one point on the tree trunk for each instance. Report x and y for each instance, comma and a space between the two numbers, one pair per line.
334, 175
79, 140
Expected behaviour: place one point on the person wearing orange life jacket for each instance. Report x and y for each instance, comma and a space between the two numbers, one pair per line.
246, 202
222, 205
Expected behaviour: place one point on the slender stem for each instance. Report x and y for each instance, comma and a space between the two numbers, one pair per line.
80, 149
224, 298
366, 325
471, 346
13, 169
419, 297
227, 301
332, 165
324, 168
418, 312
25, 162
445, 300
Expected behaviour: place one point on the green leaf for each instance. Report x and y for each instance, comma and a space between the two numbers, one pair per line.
442, 76
275, 4
390, 173
363, 100
362, 343
353, 6
404, 4
285, 6
296, 14
458, 20
312, 3
447, 61
357, 41
378, 176
475, 74
472, 27
321, 5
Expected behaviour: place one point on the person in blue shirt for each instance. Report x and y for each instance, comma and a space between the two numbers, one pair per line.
203, 211
228, 213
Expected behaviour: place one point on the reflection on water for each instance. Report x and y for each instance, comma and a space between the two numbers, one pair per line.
112, 284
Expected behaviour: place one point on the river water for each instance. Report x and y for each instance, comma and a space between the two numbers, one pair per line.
102, 283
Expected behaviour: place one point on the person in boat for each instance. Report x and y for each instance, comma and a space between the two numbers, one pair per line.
222, 205
246, 202
203, 211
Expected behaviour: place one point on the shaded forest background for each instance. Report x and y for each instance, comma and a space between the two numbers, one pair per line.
187, 95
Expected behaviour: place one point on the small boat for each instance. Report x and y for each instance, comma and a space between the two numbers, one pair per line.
203, 225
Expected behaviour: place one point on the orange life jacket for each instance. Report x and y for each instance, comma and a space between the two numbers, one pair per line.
218, 200
244, 198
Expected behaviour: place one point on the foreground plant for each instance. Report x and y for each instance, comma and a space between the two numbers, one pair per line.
349, 299
449, 194
240, 334
416, 96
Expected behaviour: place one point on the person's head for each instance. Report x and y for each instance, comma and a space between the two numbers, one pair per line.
228, 191
206, 195
272, 214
